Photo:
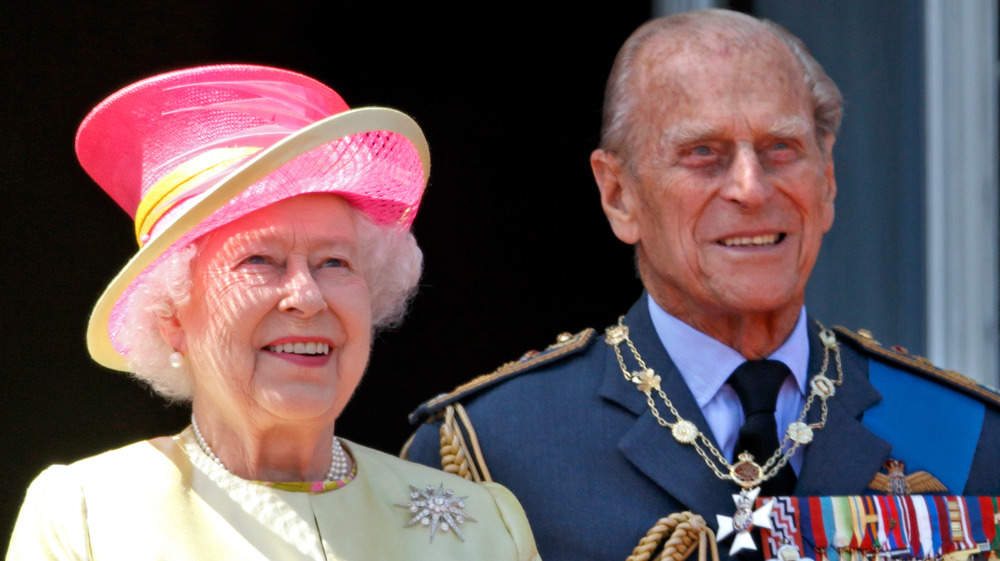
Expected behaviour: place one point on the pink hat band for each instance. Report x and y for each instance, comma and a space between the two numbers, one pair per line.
168, 138
190, 178
188, 151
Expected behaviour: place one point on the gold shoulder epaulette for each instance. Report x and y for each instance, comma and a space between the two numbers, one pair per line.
863, 340
566, 344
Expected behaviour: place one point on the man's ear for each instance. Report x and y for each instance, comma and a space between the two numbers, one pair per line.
172, 332
616, 185
831, 182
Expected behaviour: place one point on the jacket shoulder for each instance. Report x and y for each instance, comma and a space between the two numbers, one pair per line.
566, 345
864, 342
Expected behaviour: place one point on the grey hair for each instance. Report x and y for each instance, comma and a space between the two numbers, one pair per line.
618, 133
390, 260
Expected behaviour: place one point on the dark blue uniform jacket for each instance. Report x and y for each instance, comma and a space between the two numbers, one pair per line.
579, 447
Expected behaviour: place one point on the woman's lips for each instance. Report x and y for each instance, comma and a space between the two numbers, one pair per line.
301, 350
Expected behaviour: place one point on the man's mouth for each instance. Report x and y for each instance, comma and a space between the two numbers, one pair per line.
753, 241
311, 348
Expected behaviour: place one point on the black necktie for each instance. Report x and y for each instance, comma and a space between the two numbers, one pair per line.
757, 382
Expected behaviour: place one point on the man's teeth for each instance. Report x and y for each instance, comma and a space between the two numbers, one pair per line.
310, 348
769, 239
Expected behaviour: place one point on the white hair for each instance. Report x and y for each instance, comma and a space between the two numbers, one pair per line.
390, 260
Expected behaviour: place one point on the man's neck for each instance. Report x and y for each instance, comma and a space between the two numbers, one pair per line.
754, 335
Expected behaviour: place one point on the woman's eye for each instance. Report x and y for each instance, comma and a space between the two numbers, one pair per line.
255, 260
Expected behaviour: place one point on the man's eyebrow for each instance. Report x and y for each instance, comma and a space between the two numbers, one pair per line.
790, 127
687, 132
690, 132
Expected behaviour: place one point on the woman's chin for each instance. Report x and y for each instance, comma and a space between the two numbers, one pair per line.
301, 402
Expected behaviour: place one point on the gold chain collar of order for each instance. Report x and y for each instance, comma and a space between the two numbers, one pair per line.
745, 472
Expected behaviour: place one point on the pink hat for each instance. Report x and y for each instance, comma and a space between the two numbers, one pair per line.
188, 151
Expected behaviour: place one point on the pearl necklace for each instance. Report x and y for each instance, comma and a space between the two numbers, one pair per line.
338, 464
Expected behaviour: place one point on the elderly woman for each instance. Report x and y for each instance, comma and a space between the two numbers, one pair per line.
273, 225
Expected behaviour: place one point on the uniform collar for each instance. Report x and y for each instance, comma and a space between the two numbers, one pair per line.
706, 363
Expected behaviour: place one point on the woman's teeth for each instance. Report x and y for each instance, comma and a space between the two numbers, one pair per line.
300, 348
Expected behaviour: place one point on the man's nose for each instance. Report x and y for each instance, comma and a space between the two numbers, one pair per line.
747, 184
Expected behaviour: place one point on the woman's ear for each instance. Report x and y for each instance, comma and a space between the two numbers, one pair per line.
172, 332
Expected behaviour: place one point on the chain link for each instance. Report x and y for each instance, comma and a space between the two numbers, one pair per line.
646, 381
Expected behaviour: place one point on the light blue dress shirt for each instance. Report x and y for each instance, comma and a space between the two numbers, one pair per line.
705, 364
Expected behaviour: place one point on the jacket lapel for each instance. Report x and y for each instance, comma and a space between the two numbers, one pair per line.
844, 455
842, 458
676, 468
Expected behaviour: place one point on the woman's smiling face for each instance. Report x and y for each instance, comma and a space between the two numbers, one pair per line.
278, 326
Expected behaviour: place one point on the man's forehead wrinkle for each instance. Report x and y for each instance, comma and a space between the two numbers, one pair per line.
665, 77
687, 131
682, 67
663, 58
662, 66
711, 40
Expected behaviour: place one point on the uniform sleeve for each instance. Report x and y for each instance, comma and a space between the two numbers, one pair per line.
426, 446
516, 521
52, 523
982, 478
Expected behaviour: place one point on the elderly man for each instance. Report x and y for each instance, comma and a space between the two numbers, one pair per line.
716, 163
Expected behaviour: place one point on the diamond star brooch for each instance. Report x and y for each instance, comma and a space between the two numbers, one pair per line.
438, 509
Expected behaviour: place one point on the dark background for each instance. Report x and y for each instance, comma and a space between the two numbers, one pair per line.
516, 247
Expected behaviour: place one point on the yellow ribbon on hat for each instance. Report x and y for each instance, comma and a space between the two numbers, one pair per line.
158, 199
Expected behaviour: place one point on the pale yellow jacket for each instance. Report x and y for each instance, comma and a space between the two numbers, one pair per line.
164, 499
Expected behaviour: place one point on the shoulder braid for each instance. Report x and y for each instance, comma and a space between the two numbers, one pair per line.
675, 538
864, 341
566, 344
459, 445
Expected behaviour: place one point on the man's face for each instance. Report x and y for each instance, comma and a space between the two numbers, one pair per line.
730, 192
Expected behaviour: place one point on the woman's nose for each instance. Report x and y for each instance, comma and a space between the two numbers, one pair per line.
302, 295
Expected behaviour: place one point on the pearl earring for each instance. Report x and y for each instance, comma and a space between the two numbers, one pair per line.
176, 359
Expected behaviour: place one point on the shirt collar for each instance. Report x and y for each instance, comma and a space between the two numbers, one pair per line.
706, 363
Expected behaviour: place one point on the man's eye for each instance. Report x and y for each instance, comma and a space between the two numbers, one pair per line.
700, 156
255, 260
781, 152
335, 262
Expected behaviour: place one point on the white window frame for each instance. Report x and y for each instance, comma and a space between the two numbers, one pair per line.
962, 72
